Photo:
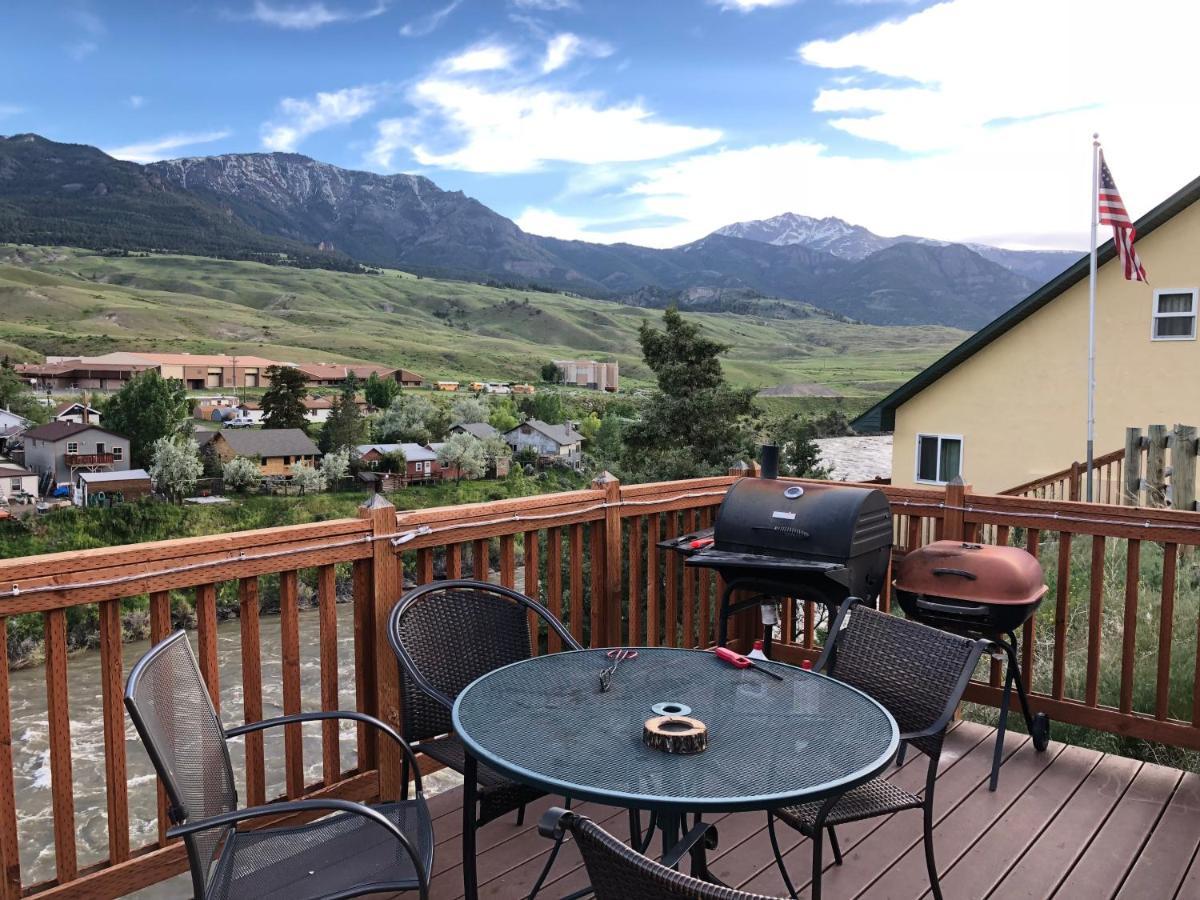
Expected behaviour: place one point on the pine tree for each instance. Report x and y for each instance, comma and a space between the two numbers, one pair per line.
283, 402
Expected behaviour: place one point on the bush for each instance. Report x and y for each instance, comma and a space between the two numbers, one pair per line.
241, 474
307, 479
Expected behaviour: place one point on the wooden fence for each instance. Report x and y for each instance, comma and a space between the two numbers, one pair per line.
1071, 483
591, 556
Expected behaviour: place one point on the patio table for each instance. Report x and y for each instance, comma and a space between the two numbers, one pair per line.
545, 722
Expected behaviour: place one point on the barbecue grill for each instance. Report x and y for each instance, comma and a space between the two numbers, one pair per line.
786, 540
980, 591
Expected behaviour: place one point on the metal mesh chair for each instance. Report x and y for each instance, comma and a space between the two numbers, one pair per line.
919, 674
445, 635
357, 850
618, 872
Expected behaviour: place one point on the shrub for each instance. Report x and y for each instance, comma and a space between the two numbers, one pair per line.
241, 474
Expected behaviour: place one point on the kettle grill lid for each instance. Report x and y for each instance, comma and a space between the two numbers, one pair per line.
982, 573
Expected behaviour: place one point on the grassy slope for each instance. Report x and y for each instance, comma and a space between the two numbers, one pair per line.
61, 301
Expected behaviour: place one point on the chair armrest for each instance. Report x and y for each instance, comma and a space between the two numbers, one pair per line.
323, 715
553, 822
232, 818
705, 830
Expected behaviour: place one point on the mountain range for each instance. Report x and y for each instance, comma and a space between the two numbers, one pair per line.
285, 207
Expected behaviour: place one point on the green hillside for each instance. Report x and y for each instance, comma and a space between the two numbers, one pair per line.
63, 301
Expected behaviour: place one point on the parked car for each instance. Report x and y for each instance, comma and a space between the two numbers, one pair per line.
238, 422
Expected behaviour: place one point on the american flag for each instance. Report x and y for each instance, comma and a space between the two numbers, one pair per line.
1112, 212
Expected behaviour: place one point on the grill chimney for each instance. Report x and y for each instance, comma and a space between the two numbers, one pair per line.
769, 456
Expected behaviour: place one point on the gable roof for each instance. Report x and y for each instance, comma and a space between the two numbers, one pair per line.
412, 452
481, 430
560, 434
269, 442
73, 404
882, 416
56, 431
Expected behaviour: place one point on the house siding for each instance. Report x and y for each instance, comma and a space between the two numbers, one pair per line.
50, 456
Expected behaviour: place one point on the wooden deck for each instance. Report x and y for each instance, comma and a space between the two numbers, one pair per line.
1067, 823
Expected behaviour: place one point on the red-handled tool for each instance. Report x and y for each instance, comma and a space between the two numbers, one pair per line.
700, 543
743, 662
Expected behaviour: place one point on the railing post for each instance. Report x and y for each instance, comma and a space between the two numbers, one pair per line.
1183, 468
610, 612
1132, 489
1156, 457
1073, 492
386, 585
952, 519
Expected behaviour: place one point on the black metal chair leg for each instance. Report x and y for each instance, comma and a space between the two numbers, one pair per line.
818, 862
521, 815
833, 845
900, 754
779, 856
470, 773
930, 864
545, 873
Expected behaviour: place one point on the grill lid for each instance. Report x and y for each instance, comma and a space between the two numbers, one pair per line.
982, 573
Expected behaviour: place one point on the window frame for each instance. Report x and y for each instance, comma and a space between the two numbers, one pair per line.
16, 484
118, 453
940, 437
1155, 315
74, 452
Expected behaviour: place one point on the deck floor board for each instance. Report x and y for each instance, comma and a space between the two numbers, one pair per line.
1068, 823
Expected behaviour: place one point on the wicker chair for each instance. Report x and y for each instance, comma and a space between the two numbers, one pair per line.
359, 850
446, 634
618, 872
919, 674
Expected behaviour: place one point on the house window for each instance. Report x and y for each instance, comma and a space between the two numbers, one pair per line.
939, 457
72, 448
1174, 315
118, 453
14, 484
100, 448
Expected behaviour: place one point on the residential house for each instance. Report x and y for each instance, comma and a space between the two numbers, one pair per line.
558, 442
420, 462
77, 412
66, 448
448, 386
12, 427
276, 449
318, 409
16, 482
481, 430
251, 410
94, 488
1009, 404
599, 376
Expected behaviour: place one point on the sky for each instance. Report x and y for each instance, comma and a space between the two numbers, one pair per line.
648, 121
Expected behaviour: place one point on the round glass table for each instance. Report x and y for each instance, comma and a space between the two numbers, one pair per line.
547, 722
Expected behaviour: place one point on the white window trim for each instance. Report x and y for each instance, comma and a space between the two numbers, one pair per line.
1155, 315
74, 452
941, 437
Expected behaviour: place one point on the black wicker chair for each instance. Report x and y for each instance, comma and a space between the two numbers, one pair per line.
446, 634
919, 674
359, 850
618, 872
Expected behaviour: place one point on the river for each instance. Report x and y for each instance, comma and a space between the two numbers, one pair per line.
31, 755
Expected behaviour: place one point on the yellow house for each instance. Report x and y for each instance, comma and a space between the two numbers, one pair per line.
1009, 404
275, 450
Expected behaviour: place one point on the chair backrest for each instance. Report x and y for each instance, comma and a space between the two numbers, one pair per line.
174, 716
618, 872
915, 671
448, 633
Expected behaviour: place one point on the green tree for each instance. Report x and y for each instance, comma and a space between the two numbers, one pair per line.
799, 455
551, 374
465, 453
411, 417
335, 465
395, 462
345, 427
283, 402
504, 415
608, 438
16, 396
589, 427
175, 466
148, 408
241, 474
694, 423
466, 410
547, 406
308, 479
380, 392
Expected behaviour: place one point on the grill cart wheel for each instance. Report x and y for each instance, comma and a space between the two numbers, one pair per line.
1040, 732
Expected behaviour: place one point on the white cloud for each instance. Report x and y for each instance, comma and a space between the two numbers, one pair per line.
565, 47
81, 50
486, 57
546, 5
963, 123
10, 109
307, 16
156, 149
299, 118
135, 101
429, 23
519, 129
746, 6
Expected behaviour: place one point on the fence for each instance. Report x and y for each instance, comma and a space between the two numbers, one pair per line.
591, 556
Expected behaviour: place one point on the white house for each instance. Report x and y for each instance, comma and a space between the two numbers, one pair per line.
76, 412
554, 441
16, 481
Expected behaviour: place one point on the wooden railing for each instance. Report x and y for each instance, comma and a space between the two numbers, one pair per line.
1070, 483
1113, 648
89, 459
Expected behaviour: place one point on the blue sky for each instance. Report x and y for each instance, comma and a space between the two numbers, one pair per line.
653, 122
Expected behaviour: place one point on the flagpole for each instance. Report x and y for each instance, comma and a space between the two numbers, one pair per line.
1091, 376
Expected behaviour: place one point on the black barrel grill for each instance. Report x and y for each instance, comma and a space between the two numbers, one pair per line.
780, 539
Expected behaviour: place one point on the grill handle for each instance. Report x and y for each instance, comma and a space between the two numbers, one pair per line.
953, 610
961, 573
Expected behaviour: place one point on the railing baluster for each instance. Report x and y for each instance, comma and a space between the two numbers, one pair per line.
653, 525
62, 788
480, 563
454, 561
634, 552
1061, 615
575, 562
810, 625
160, 627
1033, 544
425, 565
554, 584
671, 620
1095, 620
508, 561
364, 659
10, 858
914, 533
331, 762
599, 572
1129, 629
116, 786
206, 637
1166, 623
531, 586
289, 641
252, 704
